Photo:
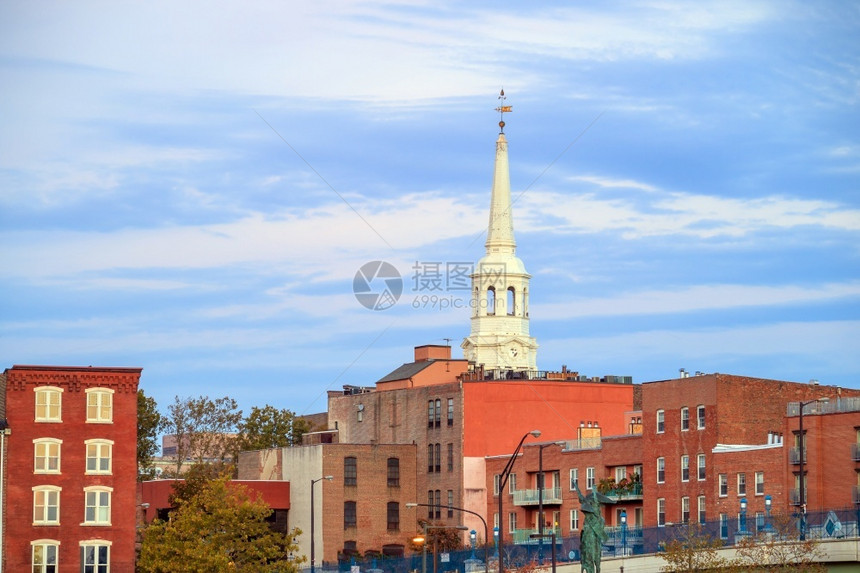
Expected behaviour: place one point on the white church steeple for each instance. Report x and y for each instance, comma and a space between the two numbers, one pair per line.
499, 336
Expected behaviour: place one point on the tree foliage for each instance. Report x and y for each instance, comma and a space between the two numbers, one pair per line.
693, 550
778, 548
444, 538
269, 427
205, 429
220, 527
149, 424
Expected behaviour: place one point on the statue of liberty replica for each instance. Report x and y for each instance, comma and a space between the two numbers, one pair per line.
593, 534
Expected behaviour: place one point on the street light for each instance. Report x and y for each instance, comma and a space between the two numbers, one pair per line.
623, 516
472, 538
540, 497
743, 515
313, 482
476, 514
802, 478
503, 480
768, 501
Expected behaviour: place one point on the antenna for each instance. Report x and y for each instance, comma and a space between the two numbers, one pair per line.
447, 341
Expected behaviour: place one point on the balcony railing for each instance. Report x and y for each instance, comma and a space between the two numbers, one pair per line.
524, 536
856, 494
794, 455
630, 492
551, 496
855, 452
794, 496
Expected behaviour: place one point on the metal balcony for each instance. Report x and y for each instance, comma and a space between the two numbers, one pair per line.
523, 536
855, 452
633, 492
794, 455
527, 497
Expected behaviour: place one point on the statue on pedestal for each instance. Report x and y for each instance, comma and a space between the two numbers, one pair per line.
593, 534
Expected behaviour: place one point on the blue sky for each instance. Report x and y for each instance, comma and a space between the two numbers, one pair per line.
190, 187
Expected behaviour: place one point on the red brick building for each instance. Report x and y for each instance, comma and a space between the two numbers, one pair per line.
69, 474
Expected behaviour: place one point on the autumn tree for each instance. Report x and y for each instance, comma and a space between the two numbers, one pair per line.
269, 427
221, 527
692, 550
205, 430
149, 424
778, 548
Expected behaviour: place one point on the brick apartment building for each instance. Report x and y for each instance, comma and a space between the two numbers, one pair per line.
69, 469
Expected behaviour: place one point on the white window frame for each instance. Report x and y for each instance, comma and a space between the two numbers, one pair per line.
96, 511
759, 483
742, 483
685, 509
574, 520
661, 512
661, 469
685, 419
512, 521
50, 499
701, 467
620, 473
574, 478
98, 445
512, 483
590, 480
95, 544
46, 559
700, 417
46, 455
661, 421
723, 485
100, 399
497, 479
44, 396
685, 466
701, 510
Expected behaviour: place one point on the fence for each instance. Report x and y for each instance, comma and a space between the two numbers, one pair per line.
825, 524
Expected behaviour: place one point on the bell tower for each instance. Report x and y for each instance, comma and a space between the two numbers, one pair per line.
499, 337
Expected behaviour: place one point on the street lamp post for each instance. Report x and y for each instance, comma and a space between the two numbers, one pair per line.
743, 527
472, 538
552, 553
313, 482
623, 516
496, 541
768, 501
503, 480
802, 477
476, 514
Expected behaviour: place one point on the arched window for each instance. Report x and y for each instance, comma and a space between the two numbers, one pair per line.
511, 301
491, 300
526, 302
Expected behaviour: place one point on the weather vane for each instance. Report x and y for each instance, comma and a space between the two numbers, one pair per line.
502, 109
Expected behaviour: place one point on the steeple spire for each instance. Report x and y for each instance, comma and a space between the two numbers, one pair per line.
500, 337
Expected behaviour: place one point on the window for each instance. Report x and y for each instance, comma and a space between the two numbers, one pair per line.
44, 555
661, 470
450, 457
685, 468
393, 516
430, 504
742, 483
589, 478
438, 504
512, 522
95, 556
491, 301
724, 485
98, 456
724, 526
350, 471
431, 452
99, 405
685, 510
496, 520
450, 411
450, 503
438, 464
574, 519
48, 404
497, 479
431, 412
97, 509
661, 421
46, 505
438, 419
512, 483
700, 415
510, 301
620, 473
759, 483
685, 419
574, 478
349, 514
701, 507
46, 455
393, 472
700, 459
661, 512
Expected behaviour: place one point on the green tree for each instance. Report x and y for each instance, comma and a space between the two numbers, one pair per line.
205, 429
269, 427
149, 424
221, 527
